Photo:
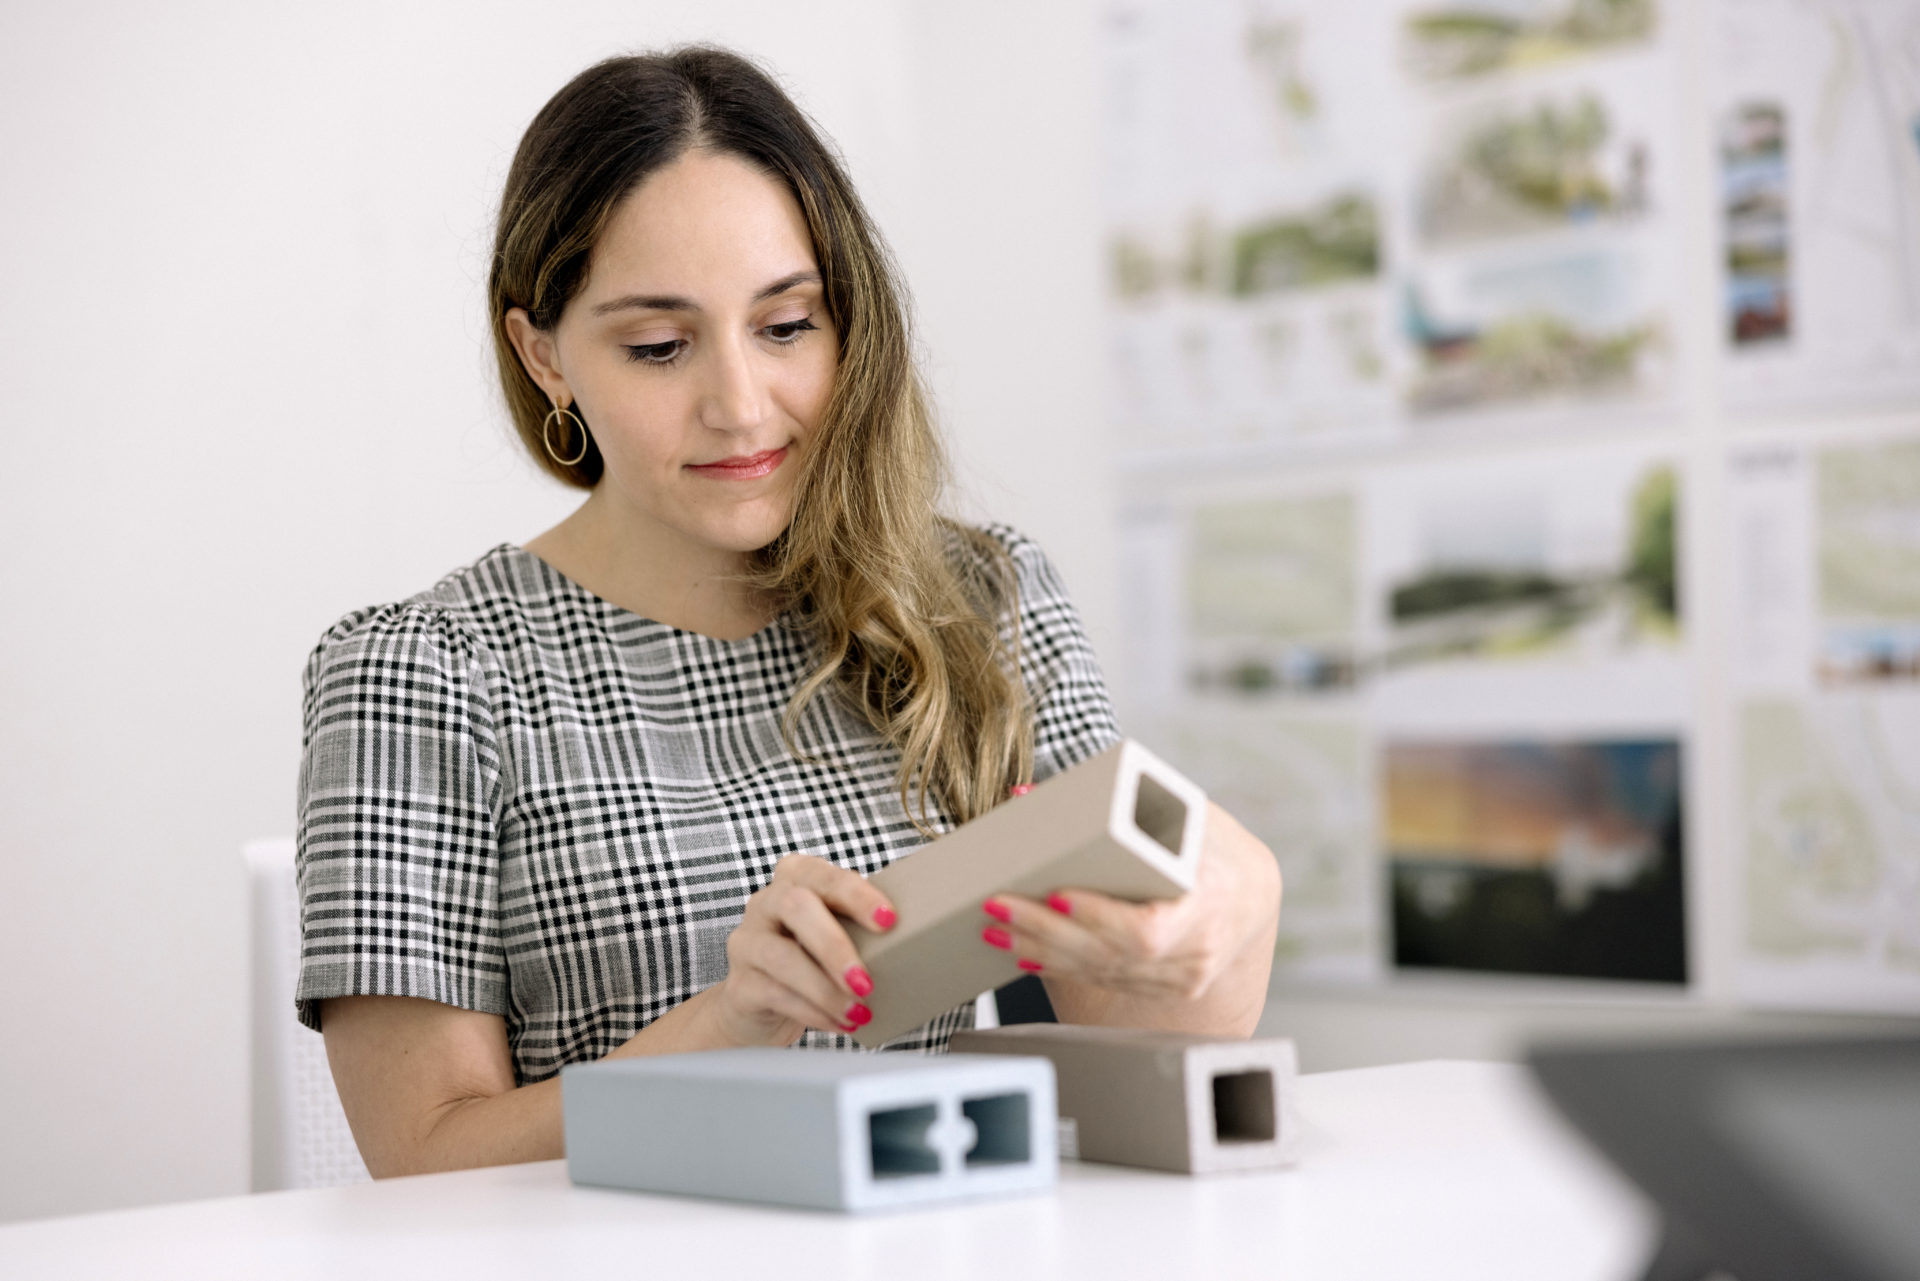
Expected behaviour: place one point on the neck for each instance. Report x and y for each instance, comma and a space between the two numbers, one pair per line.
653, 571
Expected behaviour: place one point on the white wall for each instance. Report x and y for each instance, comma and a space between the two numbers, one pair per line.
249, 389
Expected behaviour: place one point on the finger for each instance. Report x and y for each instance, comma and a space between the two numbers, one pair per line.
771, 999
820, 932
1051, 942
1137, 930
844, 890
781, 962
1114, 943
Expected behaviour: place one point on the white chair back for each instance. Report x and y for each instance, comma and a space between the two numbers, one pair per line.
300, 1134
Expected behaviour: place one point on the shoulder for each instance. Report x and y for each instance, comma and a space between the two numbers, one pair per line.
1002, 551
460, 621
1073, 715
993, 539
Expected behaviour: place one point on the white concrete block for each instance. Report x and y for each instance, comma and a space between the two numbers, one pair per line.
833, 1130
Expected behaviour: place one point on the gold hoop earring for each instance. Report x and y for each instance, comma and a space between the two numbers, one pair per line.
546, 435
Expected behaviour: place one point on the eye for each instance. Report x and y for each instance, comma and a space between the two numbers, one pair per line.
657, 353
788, 331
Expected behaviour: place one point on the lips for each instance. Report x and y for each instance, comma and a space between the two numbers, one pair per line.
744, 467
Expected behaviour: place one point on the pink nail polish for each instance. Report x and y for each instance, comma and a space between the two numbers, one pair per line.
997, 937
884, 918
859, 1015
1020, 789
848, 1028
997, 910
1058, 902
859, 980
1031, 967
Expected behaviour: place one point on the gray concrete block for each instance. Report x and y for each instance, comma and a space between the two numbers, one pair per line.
1124, 823
1163, 1100
836, 1131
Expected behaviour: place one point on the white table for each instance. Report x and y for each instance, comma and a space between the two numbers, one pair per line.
1426, 1171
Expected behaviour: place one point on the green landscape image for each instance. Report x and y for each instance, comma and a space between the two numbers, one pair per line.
1461, 41
1508, 599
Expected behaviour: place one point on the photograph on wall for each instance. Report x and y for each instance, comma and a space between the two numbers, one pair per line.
1868, 514
1273, 596
1820, 179
1753, 204
1541, 857
1574, 158
1450, 43
1299, 784
1830, 812
1570, 559
1250, 333
1556, 329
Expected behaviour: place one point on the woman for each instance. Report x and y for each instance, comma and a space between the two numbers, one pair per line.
608, 794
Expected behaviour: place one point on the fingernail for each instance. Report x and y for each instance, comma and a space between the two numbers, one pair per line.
859, 1015
1058, 902
1031, 967
859, 980
998, 937
848, 1028
997, 910
884, 917
1020, 789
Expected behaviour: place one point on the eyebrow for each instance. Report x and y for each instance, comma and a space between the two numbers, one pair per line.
674, 302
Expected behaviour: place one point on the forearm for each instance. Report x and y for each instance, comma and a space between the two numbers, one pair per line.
526, 1123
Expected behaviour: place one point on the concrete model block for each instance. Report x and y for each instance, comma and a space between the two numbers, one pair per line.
1124, 823
834, 1131
1164, 1100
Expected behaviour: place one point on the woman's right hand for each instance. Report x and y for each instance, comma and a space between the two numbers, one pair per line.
790, 964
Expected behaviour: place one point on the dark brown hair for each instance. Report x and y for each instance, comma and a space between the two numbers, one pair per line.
906, 608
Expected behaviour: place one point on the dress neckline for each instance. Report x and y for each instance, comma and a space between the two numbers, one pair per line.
571, 587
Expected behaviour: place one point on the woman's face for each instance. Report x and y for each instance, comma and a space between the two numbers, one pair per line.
699, 352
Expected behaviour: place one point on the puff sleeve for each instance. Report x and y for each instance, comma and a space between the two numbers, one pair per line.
399, 803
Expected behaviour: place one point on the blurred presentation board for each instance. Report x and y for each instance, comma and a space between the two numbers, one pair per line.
1826, 722
1404, 297
1817, 121
1314, 652
1356, 224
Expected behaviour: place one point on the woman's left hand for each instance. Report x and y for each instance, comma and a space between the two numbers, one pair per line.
1173, 948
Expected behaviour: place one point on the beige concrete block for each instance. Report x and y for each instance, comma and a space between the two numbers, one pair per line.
1163, 1100
1124, 823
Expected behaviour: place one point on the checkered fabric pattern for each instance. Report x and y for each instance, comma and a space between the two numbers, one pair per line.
518, 798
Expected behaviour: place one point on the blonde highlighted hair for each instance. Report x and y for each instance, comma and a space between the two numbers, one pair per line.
913, 616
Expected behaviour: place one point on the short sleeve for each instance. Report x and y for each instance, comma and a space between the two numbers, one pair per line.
397, 841
1073, 714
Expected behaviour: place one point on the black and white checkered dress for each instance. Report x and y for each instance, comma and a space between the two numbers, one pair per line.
520, 799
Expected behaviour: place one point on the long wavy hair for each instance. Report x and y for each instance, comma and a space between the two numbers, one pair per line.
914, 617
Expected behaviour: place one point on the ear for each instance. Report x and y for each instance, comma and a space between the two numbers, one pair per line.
539, 355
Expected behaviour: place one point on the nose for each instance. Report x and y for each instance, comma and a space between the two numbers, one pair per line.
735, 399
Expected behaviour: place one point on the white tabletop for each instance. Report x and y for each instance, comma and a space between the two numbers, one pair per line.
1427, 1170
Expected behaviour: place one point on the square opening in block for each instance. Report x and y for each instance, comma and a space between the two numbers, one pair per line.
1159, 813
1243, 1107
1004, 1126
899, 1138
